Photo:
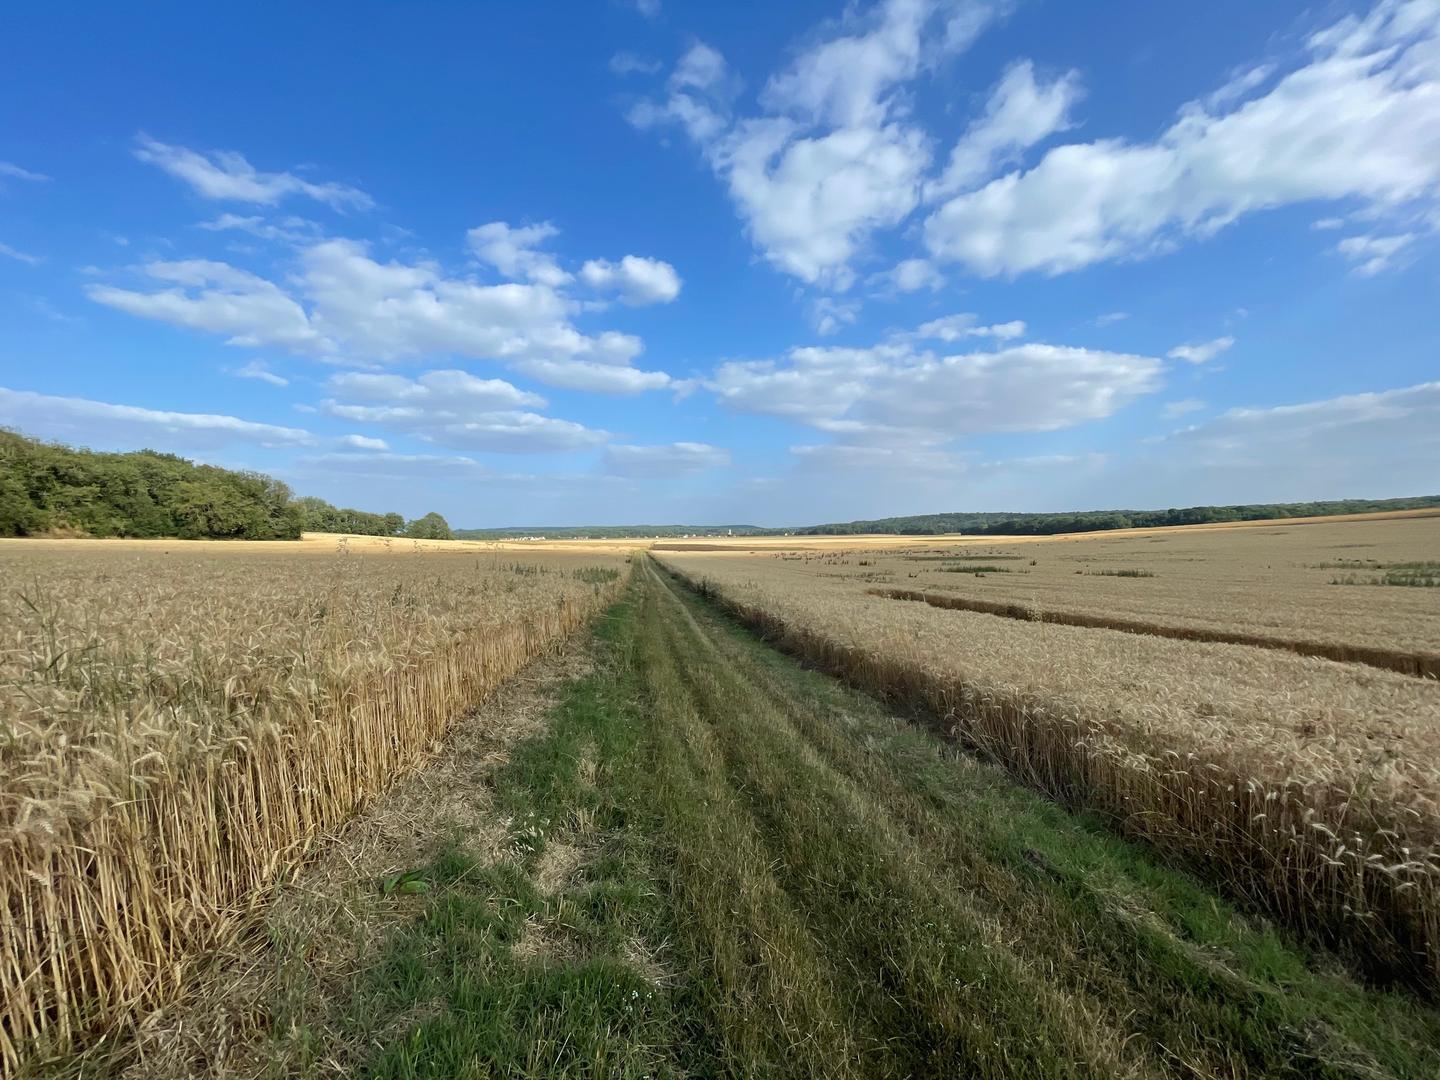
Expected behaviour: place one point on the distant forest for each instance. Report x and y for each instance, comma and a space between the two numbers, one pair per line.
980, 524
1002, 524
51, 490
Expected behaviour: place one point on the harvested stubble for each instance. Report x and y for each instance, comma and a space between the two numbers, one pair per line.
1308, 787
178, 729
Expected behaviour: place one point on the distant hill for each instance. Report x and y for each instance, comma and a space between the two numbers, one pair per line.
1014, 524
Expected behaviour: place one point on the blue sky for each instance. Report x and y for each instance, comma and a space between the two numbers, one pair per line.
650, 261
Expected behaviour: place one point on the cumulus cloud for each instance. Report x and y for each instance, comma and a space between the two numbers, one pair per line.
895, 394
513, 252
100, 423
701, 89
637, 280
457, 410
1356, 121
829, 315
1021, 112
227, 175
908, 276
834, 155
955, 327
671, 459
1202, 353
363, 442
594, 376
260, 371
433, 389
217, 298
359, 307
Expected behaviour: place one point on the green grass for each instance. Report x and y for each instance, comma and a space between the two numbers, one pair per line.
1126, 572
832, 892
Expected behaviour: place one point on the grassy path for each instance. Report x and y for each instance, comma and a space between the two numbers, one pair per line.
720, 864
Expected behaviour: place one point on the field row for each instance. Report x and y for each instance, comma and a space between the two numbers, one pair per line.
180, 728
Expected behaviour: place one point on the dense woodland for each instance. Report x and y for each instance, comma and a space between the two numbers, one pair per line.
52, 490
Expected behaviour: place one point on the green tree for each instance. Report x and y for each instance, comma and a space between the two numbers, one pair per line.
430, 527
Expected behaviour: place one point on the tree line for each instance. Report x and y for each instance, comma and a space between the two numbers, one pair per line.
47, 489
1012, 524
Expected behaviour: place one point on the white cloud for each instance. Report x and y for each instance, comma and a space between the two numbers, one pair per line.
700, 91
1350, 440
629, 63
593, 376
1202, 353
1325, 224
834, 156
385, 463
20, 256
1020, 113
15, 172
648, 8
513, 252
1184, 407
637, 280
910, 275
811, 204
1374, 254
673, 459
257, 369
955, 327
829, 315
364, 309
1357, 121
364, 442
1243, 81
434, 389
1111, 317
226, 175
456, 409
844, 459
219, 299
98, 423
289, 230
893, 394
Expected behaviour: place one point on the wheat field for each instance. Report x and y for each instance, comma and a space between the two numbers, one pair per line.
183, 721
1308, 786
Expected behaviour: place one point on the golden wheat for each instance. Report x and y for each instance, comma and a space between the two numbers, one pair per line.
1310, 786
1277, 583
178, 723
